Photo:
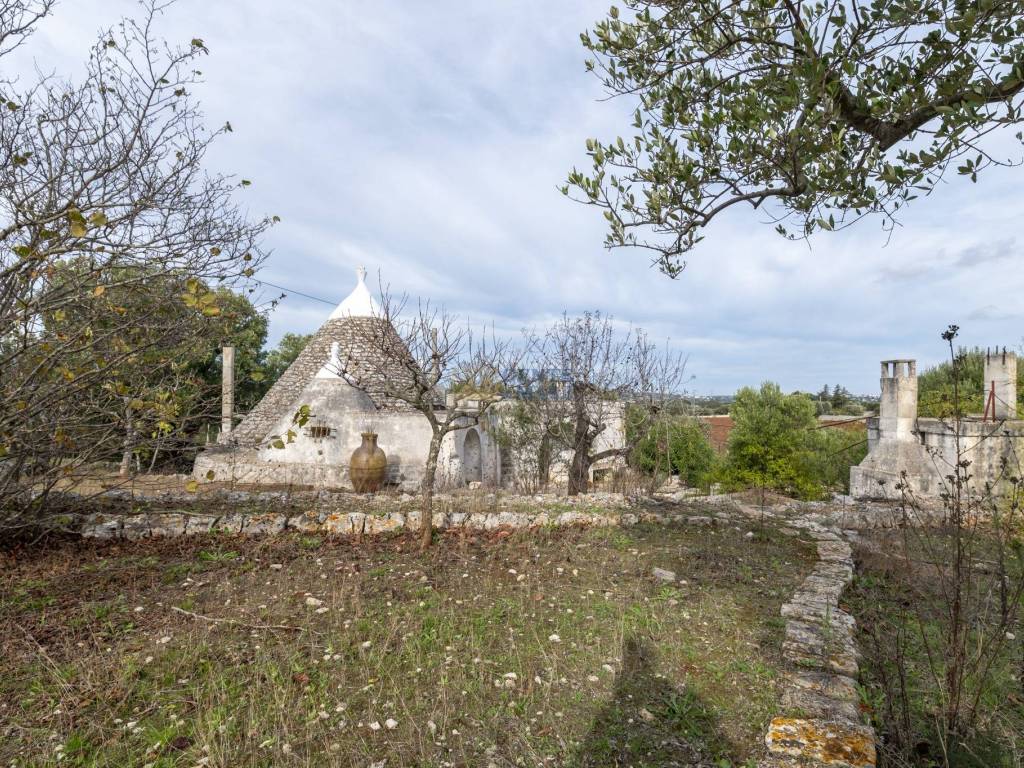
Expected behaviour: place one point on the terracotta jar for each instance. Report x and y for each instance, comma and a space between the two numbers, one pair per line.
368, 465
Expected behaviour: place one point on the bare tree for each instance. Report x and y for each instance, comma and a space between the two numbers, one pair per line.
108, 175
428, 360
18, 19
590, 381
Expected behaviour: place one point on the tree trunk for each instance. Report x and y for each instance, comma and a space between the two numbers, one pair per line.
152, 461
579, 470
129, 443
429, 475
583, 439
544, 461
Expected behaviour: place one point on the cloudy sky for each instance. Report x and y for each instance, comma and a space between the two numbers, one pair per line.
427, 141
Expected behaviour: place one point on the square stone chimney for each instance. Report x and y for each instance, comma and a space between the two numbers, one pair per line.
1000, 395
897, 408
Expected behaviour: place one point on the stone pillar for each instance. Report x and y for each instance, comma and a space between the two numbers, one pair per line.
227, 394
897, 409
897, 461
1001, 374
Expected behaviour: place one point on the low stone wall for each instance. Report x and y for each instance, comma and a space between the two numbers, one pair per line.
243, 467
821, 724
346, 513
171, 523
927, 456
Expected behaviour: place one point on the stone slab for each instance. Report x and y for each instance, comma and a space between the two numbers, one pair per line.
818, 705
830, 744
836, 686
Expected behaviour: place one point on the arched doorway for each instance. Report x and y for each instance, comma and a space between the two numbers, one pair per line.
471, 457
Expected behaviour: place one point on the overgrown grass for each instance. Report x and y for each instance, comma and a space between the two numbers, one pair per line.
900, 609
540, 649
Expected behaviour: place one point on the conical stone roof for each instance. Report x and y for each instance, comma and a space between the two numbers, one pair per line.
366, 345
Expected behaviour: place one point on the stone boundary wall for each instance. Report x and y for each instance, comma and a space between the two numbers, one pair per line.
171, 523
324, 511
822, 725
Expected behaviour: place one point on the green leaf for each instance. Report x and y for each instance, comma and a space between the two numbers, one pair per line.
302, 416
77, 222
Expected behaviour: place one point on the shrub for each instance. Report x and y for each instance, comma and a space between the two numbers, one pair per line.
833, 452
776, 444
935, 385
523, 438
678, 446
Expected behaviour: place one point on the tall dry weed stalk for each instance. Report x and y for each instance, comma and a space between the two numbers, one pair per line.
960, 573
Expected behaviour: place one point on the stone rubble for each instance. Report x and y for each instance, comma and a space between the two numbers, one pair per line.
663, 574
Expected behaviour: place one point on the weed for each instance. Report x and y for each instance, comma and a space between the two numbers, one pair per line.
218, 556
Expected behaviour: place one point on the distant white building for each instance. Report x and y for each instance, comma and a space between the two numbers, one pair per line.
340, 412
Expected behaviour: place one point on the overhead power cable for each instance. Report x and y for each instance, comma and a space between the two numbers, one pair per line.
292, 290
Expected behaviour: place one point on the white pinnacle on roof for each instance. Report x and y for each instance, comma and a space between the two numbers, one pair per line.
359, 303
332, 368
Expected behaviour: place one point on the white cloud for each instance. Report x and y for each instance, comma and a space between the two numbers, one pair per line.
427, 140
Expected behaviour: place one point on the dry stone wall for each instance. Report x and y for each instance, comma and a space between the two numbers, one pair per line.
181, 523
821, 723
